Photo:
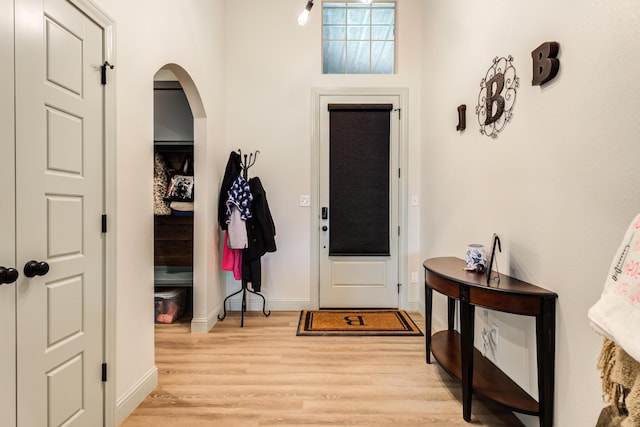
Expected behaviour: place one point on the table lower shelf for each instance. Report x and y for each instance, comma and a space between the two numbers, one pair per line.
488, 380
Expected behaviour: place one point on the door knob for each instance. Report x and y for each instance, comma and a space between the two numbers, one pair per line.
8, 275
35, 268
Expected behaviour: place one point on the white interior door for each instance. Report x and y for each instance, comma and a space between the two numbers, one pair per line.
358, 280
59, 187
7, 219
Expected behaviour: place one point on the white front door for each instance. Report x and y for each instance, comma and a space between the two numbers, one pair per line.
356, 268
59, 205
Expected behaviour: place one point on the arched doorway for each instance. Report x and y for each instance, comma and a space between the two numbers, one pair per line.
180, 253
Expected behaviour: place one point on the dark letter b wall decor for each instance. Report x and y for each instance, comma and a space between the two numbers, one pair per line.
462, 117
545, 63
497, 96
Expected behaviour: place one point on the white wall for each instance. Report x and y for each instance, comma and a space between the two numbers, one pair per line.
559, 184
150, 34
263, 104
272, 64
556, 185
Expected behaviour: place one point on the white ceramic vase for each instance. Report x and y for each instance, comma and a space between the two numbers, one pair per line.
476, 257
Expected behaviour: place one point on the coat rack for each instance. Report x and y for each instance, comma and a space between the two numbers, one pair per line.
246, 162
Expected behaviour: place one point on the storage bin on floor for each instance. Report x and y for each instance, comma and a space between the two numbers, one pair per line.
169, 304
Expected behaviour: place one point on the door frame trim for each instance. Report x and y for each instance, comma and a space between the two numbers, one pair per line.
104, 21
316, 94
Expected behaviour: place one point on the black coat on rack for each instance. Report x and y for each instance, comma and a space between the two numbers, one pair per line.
261, 232
231, 172
261, 229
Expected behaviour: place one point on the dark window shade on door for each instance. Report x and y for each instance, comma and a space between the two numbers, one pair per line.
359, 161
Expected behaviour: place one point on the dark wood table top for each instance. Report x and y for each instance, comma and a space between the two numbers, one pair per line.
452, 268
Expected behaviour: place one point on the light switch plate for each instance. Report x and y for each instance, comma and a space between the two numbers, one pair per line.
305, 200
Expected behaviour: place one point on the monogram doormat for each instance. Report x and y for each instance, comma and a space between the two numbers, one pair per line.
358, 322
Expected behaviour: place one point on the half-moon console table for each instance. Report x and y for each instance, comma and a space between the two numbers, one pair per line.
454, 350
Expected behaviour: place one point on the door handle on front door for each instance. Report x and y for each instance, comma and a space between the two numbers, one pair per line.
35, 268
8, 275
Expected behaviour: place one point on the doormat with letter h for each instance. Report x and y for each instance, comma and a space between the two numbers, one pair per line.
360, 322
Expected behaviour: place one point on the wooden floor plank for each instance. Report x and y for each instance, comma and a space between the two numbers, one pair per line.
265, 375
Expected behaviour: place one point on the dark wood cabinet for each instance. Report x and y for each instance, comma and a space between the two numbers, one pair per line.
173, 243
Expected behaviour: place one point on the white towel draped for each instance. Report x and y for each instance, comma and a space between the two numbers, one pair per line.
616, 315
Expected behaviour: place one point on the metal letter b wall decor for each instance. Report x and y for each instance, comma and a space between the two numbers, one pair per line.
497, 96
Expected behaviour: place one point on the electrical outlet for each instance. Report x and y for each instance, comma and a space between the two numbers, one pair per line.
414, 277
494, 334
485, 342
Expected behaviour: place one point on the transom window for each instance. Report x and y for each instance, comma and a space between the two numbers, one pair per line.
358, 38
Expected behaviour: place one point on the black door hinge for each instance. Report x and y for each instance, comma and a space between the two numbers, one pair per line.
104, 372
104, 223
399, 285
103, 72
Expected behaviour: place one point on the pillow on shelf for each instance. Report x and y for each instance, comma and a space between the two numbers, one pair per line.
180, 186
160, 183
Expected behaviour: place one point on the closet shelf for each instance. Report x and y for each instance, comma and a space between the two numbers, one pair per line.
173, 146
173, 276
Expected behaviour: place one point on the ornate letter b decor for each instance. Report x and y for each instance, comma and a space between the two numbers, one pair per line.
497, 96
494, 88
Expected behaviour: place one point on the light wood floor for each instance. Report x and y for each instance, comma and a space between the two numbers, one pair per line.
264, 375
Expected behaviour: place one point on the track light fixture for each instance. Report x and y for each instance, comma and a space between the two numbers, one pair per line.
304, 16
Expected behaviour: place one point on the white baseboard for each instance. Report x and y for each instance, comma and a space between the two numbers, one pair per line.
438, 324
202, 325
135, 395
255, 304
414, 306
